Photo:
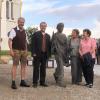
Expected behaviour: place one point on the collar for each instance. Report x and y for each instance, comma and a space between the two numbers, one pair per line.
17, 28
87, 39
43, 33
59, 33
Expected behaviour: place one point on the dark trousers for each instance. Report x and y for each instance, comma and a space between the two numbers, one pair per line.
88, 72
98, 59
39, 69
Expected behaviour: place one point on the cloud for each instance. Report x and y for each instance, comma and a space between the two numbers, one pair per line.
97, 25
66, 12
77, 12
34, 6
87, 12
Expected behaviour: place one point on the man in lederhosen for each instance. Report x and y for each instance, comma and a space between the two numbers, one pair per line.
18, 50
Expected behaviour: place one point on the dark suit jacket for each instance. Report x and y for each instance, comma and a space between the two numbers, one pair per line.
36, 44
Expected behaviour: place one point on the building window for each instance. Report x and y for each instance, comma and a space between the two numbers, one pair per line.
7, 9
12, 4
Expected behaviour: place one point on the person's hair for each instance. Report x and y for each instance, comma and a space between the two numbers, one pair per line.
87, 31
21, 18
76, 30
60, 25
43, 23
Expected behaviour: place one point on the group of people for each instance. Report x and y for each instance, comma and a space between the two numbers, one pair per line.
80, 52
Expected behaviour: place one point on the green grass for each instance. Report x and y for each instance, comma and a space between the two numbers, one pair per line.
4, 52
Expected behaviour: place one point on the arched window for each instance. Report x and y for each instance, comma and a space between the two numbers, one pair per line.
7, 9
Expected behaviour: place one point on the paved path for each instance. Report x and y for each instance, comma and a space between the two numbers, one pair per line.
53, 92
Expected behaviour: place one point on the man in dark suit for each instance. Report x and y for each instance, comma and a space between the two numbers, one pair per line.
41, 50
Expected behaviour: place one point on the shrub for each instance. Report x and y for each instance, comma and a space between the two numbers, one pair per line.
4, 52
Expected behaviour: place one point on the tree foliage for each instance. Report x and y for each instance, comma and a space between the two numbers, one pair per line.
30, 31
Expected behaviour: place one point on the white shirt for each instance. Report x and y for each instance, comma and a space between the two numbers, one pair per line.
12, 34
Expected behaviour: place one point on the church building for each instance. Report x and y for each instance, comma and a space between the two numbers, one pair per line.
10, 11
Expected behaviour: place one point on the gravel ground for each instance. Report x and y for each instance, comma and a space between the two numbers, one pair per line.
53, 92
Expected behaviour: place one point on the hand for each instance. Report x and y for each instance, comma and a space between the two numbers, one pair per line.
81, 57
26, 52
11, 53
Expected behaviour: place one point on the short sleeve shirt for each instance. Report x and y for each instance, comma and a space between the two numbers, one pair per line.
87, 46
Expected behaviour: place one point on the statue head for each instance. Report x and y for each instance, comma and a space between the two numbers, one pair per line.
60, 27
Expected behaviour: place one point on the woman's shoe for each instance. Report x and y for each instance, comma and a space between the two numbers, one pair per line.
90, 86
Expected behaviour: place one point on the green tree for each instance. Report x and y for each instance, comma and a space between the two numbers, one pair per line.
30, 31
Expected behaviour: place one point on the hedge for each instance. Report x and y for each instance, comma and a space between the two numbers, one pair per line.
4, 52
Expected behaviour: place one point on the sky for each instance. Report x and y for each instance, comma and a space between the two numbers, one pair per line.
73, 13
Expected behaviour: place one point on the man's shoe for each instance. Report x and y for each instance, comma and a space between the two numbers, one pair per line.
43, 85
24, 84
13, 86
35, 85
